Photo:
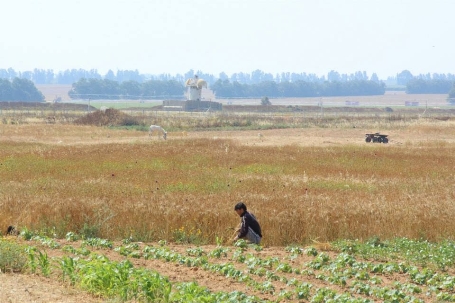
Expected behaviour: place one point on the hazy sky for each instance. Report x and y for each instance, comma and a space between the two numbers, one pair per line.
171, 36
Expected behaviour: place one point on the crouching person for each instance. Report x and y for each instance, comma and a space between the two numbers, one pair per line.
250, 229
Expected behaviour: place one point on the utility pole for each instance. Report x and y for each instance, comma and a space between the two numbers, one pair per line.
320, 104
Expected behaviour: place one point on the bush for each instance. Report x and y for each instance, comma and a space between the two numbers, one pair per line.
108, 117
265, 101
12, 256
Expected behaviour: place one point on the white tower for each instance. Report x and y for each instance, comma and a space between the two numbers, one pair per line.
195, 86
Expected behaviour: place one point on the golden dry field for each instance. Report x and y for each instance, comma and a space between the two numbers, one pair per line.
329, 183
308, 186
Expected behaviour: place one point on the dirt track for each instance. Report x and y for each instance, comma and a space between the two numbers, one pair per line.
278, 137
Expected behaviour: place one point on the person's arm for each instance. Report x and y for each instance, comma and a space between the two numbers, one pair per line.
236, 233
244, 228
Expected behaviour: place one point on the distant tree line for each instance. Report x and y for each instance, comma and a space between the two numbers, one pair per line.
432, 86
405, 76
228, 89
254, 84
428, 84
109, 89
19, 90
70, 76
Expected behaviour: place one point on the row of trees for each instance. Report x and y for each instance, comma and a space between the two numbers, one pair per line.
432, 86
406, 76
109, 89
70, 76
227, 89
19, 90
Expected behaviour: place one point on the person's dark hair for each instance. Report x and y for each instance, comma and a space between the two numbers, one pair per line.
240, 205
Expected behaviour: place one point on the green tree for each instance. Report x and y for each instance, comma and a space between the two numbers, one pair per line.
333, 76
452, 95
26, 91
109, 89
6, 90
430, 86
265, 101
131, 88
110, 75
404, 77
19, 90
374, 78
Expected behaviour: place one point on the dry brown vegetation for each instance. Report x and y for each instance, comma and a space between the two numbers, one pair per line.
108, 117
313, 181
303, 184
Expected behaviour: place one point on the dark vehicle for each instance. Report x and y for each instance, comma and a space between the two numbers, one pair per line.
376, 138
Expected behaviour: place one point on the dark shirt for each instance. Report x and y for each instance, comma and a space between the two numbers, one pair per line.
248, 220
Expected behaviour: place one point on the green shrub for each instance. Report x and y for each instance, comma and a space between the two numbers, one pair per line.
12, 256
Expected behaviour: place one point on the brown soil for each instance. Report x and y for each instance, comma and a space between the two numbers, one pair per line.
19, 288
35, 288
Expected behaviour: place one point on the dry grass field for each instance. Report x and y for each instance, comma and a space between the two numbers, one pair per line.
306, 185
328, 182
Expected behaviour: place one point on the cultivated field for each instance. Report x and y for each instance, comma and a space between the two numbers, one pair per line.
340, 216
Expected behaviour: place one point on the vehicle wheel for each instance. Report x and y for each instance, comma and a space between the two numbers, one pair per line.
385, 140
368, 139
379, 140
375, 140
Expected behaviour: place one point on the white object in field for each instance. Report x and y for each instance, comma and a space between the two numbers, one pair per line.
159, 129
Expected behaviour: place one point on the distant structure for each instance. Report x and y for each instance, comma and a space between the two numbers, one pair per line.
193, 101
194, 86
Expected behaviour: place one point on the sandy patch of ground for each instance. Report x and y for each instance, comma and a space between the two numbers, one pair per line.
50, 134
19, 288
